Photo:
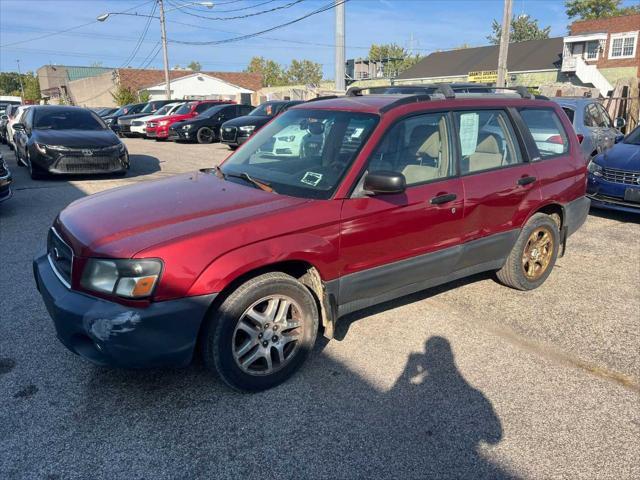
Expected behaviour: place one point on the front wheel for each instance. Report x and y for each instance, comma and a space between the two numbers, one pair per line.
33, 173
262, 333
534, 254
205, 135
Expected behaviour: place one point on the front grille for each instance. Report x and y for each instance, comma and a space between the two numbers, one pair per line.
60, 256
229, 134
620, 176
92, 164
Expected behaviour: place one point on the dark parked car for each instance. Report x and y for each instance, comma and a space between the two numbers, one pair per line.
124, 122
130, 109
388, 195
5, 180
205, 128
4, 119
614, 176
105, 112
68, 140
235, 132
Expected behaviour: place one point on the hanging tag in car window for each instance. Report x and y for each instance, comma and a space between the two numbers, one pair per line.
469, 132
311, 178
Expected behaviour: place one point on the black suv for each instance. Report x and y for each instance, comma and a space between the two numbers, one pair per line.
130, 109
235, 132
205, 128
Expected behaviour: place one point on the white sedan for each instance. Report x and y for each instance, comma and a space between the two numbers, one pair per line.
139, 125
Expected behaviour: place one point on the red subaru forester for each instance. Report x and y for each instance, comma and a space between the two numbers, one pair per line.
377, 197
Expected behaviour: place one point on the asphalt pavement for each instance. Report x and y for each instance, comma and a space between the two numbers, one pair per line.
468, 380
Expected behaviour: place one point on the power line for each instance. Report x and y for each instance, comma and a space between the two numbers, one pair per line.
142, 37
67, 29
187, 7
247, 15
327, 7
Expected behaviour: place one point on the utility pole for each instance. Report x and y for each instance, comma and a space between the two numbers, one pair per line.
20, 79
165, 54
504, 44
340, 49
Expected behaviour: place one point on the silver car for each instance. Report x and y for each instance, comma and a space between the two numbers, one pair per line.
592, 124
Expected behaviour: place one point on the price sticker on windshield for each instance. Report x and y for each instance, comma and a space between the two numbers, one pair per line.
311, 178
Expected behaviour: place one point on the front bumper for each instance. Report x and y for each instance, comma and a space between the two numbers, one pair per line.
182, 135
162, 131
613, 203
107, 333
70, 163
610, 195
236, 142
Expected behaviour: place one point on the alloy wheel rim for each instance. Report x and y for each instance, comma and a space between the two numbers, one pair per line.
267, 336
537, 254
205, 135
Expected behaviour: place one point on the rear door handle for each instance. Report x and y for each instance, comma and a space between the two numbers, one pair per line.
526, 180
444, 198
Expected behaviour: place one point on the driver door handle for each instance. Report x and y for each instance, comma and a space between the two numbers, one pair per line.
444, 198
526, 180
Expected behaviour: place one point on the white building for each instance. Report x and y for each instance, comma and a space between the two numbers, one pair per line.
200, 86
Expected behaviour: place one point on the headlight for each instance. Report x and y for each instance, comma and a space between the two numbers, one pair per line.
247, 128
163, 123
594, 168
124, 278
289, 138
109, 121
187, 127
41, 148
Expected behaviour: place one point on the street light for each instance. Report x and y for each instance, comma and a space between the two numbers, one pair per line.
163, 32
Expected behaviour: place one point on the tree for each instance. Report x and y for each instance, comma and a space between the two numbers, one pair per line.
195, 66
395, 58
144, 96
304, 72
10, 85
590, 9
123, 96
273, 75
523, 28
31, 87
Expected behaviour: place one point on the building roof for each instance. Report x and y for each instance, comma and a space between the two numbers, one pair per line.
531, 55
138, 79
76, 73
201, 75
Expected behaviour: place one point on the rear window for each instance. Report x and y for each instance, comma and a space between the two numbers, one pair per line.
547, 131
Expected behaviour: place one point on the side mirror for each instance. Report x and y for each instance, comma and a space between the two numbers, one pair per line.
619, 122
383, 181
18, 127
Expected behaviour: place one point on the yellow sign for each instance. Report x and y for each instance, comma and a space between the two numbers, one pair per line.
483, 76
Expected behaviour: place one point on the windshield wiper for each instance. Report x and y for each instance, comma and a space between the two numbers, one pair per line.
245, 176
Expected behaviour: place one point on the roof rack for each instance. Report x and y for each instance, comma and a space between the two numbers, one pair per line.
325, 97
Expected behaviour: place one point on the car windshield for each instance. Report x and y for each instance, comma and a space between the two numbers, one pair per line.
186, 108
149, 108
68, 119
265, 110
122, 110
302, 153
163, 110
634, 137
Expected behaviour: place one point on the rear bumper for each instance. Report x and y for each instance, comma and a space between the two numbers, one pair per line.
107, 333
575, 214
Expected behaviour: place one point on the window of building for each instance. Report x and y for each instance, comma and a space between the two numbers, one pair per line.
592, 50
623, 45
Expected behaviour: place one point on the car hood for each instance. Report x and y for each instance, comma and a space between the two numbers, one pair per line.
76, 138
121, 222
126, 119
623, 156
256, 120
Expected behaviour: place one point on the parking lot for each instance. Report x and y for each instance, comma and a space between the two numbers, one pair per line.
470, 379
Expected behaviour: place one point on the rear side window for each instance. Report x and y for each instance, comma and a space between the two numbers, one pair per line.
569, 112
487, 141
546, 130
204, 106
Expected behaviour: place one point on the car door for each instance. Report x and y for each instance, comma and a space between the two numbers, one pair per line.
400, 242
22, 137
500, 185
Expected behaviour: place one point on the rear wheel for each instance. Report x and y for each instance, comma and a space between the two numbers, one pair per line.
205, 135
262, 333
534, 254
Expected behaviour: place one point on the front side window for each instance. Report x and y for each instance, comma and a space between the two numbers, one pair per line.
487, 141
605, 119
623, 45
419, 147
547, 131
186, 108
68, 119
302, 153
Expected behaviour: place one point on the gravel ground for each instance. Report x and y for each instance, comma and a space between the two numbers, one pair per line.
468, 380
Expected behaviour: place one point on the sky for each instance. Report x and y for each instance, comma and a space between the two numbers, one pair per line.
420, 25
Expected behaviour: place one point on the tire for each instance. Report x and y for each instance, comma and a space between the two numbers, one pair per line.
226, 342
205, 135
528, 264
34, 174
233, 147
160, 139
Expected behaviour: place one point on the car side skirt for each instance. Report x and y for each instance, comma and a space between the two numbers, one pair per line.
380, 284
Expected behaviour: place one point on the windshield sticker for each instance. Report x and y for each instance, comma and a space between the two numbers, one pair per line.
469, 132
311, 178
357, 132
